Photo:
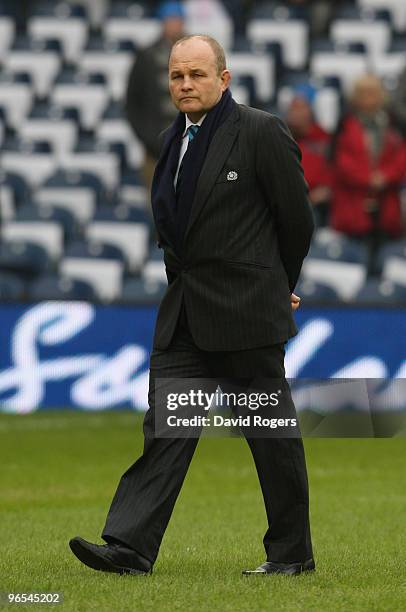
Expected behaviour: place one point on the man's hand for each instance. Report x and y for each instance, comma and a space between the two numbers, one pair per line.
295, 301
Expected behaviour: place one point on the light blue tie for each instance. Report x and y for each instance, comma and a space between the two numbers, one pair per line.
192, 131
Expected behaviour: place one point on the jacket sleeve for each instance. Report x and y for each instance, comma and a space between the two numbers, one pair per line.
282, 182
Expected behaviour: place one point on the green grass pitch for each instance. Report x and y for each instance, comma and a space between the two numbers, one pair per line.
59, 471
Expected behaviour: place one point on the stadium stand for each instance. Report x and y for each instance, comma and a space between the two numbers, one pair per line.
75, 221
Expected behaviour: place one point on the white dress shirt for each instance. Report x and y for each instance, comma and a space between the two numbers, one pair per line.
185, 142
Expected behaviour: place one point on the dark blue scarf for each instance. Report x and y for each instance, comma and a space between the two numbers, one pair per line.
172, 210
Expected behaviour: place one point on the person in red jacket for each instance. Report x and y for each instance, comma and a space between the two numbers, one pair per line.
369, 160
314, 143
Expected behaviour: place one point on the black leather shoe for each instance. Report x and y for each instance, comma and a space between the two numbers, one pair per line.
289, 569
112, 557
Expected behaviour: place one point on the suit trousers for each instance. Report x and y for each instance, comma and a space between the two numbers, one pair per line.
147, 492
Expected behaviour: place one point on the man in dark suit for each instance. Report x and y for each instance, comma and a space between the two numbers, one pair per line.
233, 218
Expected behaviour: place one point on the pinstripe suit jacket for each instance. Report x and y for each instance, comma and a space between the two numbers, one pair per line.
249, 230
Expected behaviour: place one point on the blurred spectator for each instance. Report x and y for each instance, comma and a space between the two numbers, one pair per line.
398, 105
313, 142
148, 104
369, 167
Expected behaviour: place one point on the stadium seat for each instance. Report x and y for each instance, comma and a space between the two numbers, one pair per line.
381, 292
131, 237
260, 67
47, 234
154, 271
389, 66
397, 9
79, 192
141, 292
132, 192
52, 123
60, 22
105, 166
92, 249
340, 249
118, 130
292, 35
312, 291
143, 32
46, 212
85, 92
11, 287
336, 62
104, 275
43, 65
210, 18
15, 185
24, 258
7, 32
375, 34
7, 203
394, 269
345, 278
15, 98
96, 11
395, 248
113, 63
35, 168
278, 11
60, 288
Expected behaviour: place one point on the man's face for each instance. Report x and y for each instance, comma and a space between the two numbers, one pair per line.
299, 117
369, 97
194, 82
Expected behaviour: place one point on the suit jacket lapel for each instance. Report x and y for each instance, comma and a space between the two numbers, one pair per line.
216, 157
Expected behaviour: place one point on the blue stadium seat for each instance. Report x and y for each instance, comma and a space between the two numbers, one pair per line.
33, 57
372, 28
341, 249
311, 291
278, 11
104, 275
127, 9
141, 292
155, 253
121, 214
61, 21
11, 287
80, 200
291, 34
396, 248
398, 43
94, 250
126, 228
46, 212
34, 162
54, 112
62, 10
60, 288
17, 184
16, 97
351, 12
23, 42
381, 292
65, 179
14, 144
24, 258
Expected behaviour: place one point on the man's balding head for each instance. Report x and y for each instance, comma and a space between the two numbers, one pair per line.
197, 75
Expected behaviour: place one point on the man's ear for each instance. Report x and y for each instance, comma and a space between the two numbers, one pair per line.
226, 78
